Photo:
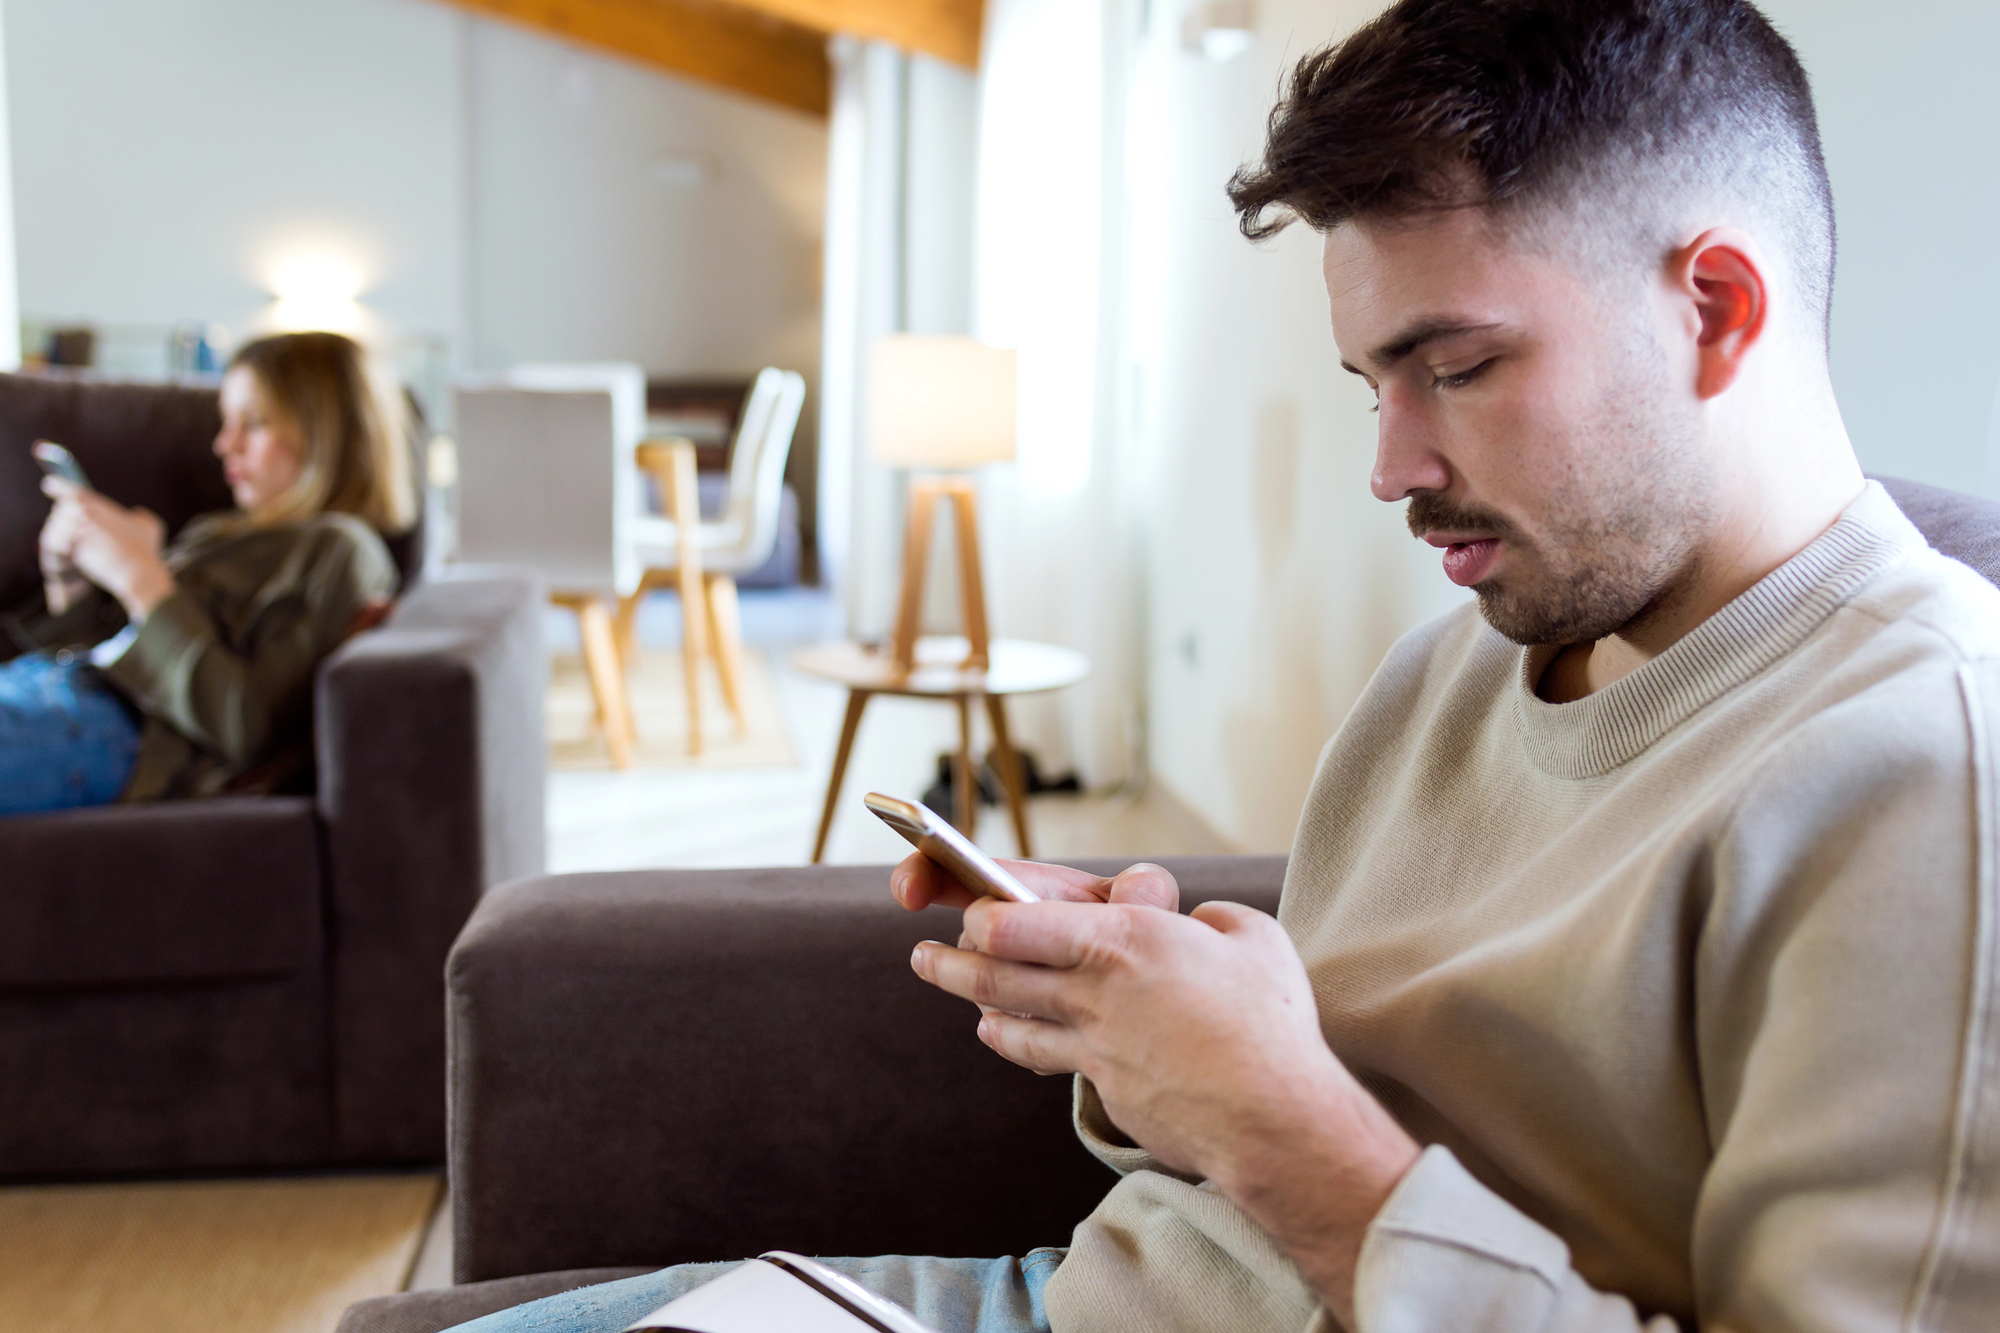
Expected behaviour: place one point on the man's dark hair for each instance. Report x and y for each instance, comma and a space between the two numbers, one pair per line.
1614, 109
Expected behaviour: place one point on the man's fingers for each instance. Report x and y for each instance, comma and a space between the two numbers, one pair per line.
1046, 1048
1231, 918
1060, 935
1147, 885
917, 882
1059, 883
992, 983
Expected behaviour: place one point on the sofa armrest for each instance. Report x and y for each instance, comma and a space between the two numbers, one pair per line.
668, 1066
431, 767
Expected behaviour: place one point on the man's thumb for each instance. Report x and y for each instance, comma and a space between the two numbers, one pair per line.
1230, 918
1146, 885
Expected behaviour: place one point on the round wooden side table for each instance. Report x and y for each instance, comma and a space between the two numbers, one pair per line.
1014, 666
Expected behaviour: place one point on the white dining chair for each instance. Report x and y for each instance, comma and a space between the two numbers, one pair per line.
739, 540
545, 480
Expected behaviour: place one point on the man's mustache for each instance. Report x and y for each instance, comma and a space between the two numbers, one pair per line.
1431, 512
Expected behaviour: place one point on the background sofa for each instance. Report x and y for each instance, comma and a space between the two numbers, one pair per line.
666, 1067
257, 981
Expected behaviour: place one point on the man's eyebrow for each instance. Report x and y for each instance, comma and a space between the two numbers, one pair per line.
1416, 336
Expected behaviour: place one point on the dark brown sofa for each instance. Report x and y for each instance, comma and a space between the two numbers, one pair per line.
257, 981
666, 1067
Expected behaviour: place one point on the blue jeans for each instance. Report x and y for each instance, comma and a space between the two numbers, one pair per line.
65, 739
951, 1295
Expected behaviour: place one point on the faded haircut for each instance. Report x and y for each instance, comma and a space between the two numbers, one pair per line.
1620, 114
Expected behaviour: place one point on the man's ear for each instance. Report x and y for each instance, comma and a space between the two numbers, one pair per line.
1721, 273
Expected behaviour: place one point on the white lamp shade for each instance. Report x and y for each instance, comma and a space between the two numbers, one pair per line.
940, 402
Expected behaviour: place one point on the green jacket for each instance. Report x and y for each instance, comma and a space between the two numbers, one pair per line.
222, 670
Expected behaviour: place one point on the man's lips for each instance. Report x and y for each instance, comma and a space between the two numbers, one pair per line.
1467, 558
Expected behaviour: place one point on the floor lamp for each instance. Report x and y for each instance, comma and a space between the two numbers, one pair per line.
939, 406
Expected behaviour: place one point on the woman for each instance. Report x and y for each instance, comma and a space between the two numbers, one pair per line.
208, 685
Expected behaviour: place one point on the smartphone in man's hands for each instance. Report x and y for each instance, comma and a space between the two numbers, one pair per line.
933, 835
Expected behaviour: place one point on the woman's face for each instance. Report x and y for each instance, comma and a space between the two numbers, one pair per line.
260, 448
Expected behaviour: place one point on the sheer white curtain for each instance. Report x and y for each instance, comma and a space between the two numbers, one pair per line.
860, 298
989, 207
898, 259
1062, 524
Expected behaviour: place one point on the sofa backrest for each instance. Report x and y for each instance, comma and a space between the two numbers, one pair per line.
1964, 527
141, 444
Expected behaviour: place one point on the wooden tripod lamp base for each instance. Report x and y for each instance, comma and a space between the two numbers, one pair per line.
925, 493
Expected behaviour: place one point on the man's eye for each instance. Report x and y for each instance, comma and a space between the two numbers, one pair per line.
1463, 377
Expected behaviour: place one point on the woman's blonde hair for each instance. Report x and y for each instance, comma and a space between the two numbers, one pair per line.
354, 434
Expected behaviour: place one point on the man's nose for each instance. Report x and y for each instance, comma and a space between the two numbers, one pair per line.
1406, 456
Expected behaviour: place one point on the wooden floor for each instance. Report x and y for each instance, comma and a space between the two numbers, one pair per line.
273, 1255
733, 815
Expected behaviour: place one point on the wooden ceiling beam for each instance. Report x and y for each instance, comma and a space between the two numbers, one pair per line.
947, 29
748, 49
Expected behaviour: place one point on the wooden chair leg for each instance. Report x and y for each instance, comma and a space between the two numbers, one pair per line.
624, 638
694, 647
726, 635
625, 626
964, 795
1011, 776
607, 679
856, 701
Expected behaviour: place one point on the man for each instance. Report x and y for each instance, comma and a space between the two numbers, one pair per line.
1657, 894
1636, 963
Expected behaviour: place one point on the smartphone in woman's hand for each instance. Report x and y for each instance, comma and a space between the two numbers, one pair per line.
62, 584
57, 461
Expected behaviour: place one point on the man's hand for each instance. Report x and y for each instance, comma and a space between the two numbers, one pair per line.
116, 548
920, 882
1202, 1037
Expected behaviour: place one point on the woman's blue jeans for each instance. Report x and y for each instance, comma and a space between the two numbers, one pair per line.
65, 739
951, 1295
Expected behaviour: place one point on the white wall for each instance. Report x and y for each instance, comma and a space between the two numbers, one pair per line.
10, 295
167, 151
1276, 581
1909, 108
519, 197
621, 214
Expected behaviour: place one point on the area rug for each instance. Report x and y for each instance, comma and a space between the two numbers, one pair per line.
218, 1256
654, 684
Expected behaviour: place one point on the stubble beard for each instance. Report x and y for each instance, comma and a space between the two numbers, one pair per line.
1616, 537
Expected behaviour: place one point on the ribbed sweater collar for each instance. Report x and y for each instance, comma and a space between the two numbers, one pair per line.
1595, 734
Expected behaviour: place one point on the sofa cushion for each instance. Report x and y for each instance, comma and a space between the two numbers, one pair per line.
177, 891
447, 1307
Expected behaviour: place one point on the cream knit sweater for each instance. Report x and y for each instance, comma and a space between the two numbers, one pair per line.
1689, 985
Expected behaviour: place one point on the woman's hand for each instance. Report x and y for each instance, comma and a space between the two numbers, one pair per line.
61, 584
116, 548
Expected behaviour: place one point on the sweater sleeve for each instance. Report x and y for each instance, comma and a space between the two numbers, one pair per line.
236, 699
1850, 1049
